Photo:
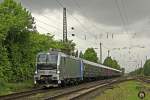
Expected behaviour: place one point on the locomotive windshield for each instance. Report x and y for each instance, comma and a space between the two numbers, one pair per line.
42, 58
47, 61
52, 58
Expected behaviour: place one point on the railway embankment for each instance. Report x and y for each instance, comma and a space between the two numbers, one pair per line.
109, 89
127, 90
9, 88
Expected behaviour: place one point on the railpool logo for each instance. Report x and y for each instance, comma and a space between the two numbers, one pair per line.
141, 94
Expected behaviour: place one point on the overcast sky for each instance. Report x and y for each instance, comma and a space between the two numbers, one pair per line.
127, 20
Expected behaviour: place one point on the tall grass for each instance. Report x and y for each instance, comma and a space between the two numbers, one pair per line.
7, 88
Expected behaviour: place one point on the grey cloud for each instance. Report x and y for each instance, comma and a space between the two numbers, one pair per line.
101, 11
104, 14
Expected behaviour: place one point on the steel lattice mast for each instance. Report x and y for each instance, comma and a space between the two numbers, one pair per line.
64, 25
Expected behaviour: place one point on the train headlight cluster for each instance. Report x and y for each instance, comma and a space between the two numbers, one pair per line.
58, 72
35, 72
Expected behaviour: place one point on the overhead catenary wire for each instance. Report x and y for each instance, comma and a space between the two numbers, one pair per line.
76, 19
45, 29
47, 18
59, 32
50, 19
78, 5
60, 4
92, 24
125, 12
52, 26
78, 22
47, 24
77, 36
83, 27
121, 15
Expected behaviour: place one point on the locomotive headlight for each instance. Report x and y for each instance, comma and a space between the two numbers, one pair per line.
58, 72
34, 81
35, 72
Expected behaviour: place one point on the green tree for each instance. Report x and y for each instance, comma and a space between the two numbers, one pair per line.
115, 64
20, 42
111, 63
15, 25
66, 47
80, 54
138, 71
90, 55
4, 65
147, 68
108, 62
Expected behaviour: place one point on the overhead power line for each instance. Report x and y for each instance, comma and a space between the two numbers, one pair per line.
76, 19
50, 19
47, 24
43, 28
78, 5
120, 14
92, 24
125, 13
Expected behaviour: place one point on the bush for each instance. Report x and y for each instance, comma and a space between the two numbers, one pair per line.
147, 68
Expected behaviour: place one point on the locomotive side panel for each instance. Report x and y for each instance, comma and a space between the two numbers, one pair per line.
69, 68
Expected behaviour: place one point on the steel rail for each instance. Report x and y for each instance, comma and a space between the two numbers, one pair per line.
84, 90
22, 94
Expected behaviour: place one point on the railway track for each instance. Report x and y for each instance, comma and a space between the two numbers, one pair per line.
28, 93
144, 79
22, 94
77, 93
65, 93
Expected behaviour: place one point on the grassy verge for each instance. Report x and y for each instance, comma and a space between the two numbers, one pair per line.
7, 88
126, 91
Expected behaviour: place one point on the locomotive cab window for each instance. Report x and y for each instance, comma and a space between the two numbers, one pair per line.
52, 58
47, 61
42, 58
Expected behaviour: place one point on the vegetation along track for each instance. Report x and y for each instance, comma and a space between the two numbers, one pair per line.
77, 93
66, 92
22, 94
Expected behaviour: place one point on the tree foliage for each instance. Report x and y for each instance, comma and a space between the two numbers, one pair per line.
81, 54
15, 25
90, 55
146, 68
111, 63
138, 71
20, 42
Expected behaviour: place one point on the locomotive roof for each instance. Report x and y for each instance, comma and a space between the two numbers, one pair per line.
84, 61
